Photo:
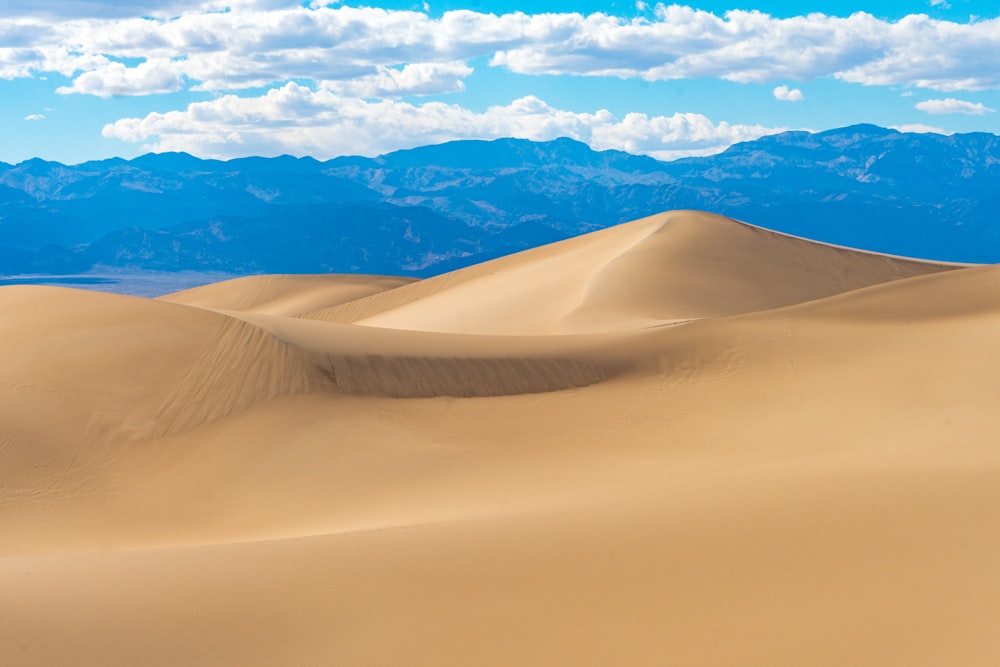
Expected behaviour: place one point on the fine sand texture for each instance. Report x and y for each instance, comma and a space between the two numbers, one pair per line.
680, 441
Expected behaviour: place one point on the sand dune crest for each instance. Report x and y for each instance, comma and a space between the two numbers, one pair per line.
670, 267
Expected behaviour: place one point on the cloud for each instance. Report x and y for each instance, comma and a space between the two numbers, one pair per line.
35, 116
785, 94
259, 43
63, 9
297, 120
951, 105
751, 46
920, 128
412, 80
113, 79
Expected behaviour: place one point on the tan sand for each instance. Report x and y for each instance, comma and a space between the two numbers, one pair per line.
681, 441
285, 294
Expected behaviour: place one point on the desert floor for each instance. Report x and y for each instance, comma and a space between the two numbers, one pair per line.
679, 441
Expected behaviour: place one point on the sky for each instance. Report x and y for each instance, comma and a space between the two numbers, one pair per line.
92, 79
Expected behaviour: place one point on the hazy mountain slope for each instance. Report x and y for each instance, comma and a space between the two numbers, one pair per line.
919, 195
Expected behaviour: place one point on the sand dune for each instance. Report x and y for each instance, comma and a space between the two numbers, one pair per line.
284, 294
670, 267
683, 440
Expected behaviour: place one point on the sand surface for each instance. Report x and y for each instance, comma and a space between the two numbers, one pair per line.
680, 441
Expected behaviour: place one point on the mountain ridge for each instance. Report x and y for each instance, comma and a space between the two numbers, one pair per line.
435, 208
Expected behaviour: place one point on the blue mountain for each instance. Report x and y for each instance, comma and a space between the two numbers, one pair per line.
435, 208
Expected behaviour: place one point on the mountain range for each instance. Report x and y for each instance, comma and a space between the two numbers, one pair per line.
436, 208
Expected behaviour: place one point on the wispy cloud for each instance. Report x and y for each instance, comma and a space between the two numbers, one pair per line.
951, 105
920, 128
785, 94
35, 116
156, 8
298, 120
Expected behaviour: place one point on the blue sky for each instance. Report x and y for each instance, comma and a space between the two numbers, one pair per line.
87, 79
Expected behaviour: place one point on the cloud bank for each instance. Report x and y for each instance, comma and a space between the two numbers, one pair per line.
298, 120
261, 43
951, 105
327, 79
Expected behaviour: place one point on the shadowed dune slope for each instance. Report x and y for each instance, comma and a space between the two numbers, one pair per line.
83, 369
805, 471
670, 267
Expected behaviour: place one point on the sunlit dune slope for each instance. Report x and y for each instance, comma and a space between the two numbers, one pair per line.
284, 294
674, 266
656, 452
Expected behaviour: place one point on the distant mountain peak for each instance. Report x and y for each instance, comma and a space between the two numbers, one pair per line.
171, 160
510, 152
852, 134
36, 162
859, 129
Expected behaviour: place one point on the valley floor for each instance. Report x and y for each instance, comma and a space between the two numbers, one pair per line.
135, 283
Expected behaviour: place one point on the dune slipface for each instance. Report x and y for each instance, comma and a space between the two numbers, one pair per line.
680, 441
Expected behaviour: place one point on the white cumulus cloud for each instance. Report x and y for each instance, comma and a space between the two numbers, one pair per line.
920, 128
297, 120
951, 105
785, 94
751, 46
113, 78
258, 43
412, 79
35, 116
